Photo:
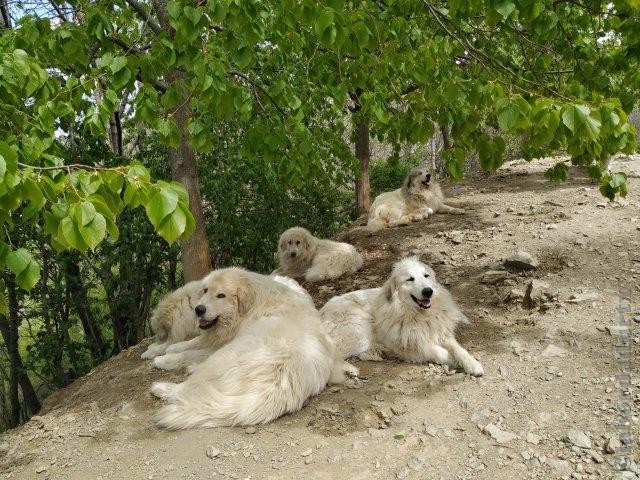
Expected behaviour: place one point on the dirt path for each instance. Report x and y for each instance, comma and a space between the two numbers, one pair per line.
558, 392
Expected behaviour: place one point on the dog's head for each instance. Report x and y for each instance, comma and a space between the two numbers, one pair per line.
419, 179
225, 297
295, 244
412, 282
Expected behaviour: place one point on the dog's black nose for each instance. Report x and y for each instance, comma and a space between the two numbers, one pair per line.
428, 177
293, 254
200, 310
426, 292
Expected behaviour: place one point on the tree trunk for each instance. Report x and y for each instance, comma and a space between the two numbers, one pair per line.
363, 153
80, 302
446, 140
194, 251
18, 377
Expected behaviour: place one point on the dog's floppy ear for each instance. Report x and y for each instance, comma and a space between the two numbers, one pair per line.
389, 287
282, 242
245, 295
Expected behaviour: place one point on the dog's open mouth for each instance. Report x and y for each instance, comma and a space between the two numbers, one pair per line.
426, 183
424, 303
205, 324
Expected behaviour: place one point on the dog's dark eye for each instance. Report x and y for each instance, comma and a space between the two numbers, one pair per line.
206, 290
426, 275
221, 295
298, 242
410, 279
289, 242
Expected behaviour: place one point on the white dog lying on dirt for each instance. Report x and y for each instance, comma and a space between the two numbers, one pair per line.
417, 199
303, 255
174, 319
266, 353
411, 317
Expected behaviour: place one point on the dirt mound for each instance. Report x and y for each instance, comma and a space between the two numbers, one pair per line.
559, 399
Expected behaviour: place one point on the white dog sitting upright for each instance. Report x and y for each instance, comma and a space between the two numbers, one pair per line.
303, 255
411, 317
263, 353
417, 199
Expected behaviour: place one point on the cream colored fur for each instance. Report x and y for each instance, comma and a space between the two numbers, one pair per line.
265, 353
303, 255
417, 199
388, 321
174, 320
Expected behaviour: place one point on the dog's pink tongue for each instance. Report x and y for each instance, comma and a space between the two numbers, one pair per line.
425, 303
203, 323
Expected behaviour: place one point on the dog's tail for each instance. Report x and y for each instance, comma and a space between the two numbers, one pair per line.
248, 387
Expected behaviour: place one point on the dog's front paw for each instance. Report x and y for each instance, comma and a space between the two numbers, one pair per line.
474, 368
164, 362
429, 212
459, 211
148, 355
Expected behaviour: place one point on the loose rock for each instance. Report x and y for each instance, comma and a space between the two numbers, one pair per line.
616, 330
491, 277
553, 351
578, 438
533, 438
500, 436
613, 445
213, 452
583, 297
522, 260
538, 293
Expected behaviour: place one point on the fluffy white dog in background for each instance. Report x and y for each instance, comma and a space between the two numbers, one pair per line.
270, 354
303, 255
412, 317
174, 319
417, 199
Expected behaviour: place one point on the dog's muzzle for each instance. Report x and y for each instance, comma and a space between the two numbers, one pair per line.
204, 324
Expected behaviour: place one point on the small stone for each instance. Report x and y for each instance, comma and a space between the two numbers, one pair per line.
500, 436
416, 463
306, 453
431, 431
525, 455
456, 236
578, 438
522, 260
537, 293
562, 467
533, 438
41, 469
616, 330
596, 456
250, 430
212, 452
402, 472
636, 319
553, 351
584, 297
491, 277
503, 371
613, 445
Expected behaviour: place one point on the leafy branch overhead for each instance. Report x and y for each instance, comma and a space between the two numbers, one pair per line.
559, 74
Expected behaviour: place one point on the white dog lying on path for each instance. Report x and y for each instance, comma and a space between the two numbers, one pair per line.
417, 199
266, 353
411, 317
174, 319
303, 255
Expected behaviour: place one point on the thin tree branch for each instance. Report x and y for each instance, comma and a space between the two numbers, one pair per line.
146, 16
254, 85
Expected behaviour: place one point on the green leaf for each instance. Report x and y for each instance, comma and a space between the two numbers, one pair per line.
85, 212
505, 7
160, 205
71, 234
574, 116
93, 232
24, 267
173, 225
